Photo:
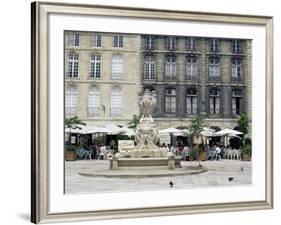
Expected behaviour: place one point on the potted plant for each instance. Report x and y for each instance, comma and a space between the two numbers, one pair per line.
202, 153
246, 152
193, 154
70, 153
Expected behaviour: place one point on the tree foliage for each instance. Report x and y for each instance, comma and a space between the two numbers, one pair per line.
74, 123
134, 122
243, 124
196, 125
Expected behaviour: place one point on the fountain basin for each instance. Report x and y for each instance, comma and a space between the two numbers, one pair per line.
171, 162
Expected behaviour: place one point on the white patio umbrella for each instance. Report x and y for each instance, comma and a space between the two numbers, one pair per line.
128, 131
184, 132
112, 129
228, 131
170, 131
82, 130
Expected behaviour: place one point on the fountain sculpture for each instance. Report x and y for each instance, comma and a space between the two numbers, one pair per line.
146, 152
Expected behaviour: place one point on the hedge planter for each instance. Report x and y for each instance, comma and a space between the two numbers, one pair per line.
70, 155
246, 157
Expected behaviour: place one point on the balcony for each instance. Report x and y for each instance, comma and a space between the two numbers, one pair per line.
214, 79
237, 79
191, 78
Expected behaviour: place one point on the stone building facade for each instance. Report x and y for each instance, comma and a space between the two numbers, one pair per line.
101, 77
193, 76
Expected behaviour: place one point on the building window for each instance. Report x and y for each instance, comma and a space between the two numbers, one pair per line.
214, 101
171, 43
118, 41
117, 67
214, 68
191, 44
170, 100
214, 45
72, 65
96, 40
236, 68
74, 39
70, 101
170, 67
116, 102
149, 42
236, 102
93, 102
191, 67
95, 66
191, 101
149, 68
236, 46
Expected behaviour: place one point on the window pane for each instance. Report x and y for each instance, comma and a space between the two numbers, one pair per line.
72, 65
117, 67
70, 101
116, 102
96, 40
93, 102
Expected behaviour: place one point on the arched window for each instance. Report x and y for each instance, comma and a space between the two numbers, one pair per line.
170, 100
191, 67
72, 65
236, 68
237, 97
116, 102
93, 102
214, 101
170, 67
117, 66
149, 67
70, 101
214, 68
191, 101
95, 70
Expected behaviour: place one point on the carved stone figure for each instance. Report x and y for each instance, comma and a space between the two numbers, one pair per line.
147, 104
146, 133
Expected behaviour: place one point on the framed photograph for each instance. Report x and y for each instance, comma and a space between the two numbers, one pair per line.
145, 112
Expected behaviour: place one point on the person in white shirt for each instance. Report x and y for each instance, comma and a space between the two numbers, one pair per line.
217, 151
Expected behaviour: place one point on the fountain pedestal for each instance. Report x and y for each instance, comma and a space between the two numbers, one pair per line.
146, 152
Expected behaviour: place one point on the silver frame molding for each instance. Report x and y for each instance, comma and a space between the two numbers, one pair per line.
39, 110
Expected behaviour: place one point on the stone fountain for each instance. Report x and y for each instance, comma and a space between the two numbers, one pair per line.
146, 153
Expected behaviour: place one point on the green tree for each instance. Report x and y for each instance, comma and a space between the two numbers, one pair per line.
134, 122
73, 123
195, 128
243, 124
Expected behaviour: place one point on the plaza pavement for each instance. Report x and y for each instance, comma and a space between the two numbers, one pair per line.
218, 175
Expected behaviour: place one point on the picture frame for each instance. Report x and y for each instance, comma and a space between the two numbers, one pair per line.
41, 190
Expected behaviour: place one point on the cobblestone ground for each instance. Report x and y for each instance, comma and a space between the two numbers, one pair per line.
218, 174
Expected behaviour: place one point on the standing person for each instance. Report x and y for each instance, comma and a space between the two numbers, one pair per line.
186, 153
222, 150
217, 151
94, 151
